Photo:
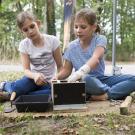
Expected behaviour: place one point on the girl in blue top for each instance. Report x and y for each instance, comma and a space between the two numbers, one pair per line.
86, 56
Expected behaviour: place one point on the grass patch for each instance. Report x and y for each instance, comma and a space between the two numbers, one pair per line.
112, 124
10, 76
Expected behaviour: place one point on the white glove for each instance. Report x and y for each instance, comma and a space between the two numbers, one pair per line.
85, 69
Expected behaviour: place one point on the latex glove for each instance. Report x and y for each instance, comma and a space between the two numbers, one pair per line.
85, 69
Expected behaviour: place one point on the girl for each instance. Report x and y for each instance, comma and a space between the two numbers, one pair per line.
86, 56
39, 53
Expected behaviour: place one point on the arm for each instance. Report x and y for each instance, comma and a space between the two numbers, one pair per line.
65, 71
58, 58
90, 64
37, 77
94, 60
26, 65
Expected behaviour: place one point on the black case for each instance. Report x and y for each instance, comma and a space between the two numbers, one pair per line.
65, 93
33, 103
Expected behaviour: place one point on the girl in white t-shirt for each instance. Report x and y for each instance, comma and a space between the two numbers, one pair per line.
40, 54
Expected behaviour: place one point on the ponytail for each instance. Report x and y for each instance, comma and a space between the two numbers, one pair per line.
98, 29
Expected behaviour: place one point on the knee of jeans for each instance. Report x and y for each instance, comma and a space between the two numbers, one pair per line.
91, 81
27, 80
95, 89
133, 78
87, 78
23, 86
93, 85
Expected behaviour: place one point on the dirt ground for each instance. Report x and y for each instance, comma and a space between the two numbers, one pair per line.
99, 118
93, 107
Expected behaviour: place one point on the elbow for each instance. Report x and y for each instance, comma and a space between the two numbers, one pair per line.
59, 67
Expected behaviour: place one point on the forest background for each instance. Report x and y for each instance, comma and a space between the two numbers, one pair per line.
51, 13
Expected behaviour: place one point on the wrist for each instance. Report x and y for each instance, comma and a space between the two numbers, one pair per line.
85, 69
74, 77
34, 76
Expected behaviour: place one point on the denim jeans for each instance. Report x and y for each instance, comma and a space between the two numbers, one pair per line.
116, 86
26, 85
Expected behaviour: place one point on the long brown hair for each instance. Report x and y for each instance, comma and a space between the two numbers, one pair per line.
89, 15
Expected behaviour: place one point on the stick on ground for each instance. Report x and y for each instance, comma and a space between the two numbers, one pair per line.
124, 108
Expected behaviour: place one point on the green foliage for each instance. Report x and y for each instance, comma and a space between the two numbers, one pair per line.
10, 36
8, 33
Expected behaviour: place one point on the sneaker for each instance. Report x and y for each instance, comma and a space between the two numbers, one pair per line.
4, 96
2, 86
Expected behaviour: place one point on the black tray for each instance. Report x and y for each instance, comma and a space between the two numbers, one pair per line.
33, 103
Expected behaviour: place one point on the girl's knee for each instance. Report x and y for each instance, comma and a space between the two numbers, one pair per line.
94, 86
24, 86
89, 79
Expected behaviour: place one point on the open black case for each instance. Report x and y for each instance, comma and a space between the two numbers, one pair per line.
66, 96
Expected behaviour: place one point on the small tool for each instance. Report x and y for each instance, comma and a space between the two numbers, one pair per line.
11, 109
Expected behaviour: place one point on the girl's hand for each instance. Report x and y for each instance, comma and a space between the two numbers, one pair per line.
54, 79
85, 69
39, 79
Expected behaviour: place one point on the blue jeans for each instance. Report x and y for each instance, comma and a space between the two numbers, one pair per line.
26, 85
116, 86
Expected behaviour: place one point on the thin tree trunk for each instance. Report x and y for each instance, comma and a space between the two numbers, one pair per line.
51, 17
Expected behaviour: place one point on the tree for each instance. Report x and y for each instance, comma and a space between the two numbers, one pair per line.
51, 17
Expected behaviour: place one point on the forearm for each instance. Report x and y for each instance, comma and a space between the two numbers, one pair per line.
63, 74
59, 68
97, 55
93, 62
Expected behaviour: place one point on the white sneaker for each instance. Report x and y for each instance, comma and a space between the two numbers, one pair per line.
2, 85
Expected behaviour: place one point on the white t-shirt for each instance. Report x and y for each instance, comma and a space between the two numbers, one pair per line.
41, 59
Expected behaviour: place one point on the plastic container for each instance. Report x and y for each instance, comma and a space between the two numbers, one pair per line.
33, 103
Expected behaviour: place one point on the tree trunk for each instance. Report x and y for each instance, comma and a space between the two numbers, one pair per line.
50, 13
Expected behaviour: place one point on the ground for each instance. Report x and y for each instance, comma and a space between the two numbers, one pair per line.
93, 107
99, 118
